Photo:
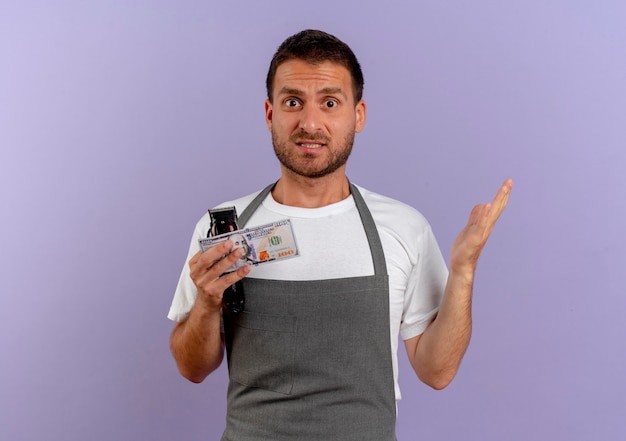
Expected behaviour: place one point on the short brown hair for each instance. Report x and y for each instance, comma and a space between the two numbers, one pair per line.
316, 47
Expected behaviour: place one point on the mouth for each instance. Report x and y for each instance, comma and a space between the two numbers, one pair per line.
310, 145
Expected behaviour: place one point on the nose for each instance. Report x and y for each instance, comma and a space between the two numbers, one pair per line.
310, 119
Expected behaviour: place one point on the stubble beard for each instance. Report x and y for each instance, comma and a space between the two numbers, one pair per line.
306, 165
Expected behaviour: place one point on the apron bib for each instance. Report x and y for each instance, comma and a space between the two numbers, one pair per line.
311, 360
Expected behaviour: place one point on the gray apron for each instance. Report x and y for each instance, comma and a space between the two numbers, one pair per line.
311, 360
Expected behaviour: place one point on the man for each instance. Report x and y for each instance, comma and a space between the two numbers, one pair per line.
314, 354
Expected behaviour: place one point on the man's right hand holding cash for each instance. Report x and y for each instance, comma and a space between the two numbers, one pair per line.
203, 350
207, 269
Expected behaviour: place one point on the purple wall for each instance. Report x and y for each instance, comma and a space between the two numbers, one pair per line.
112, 112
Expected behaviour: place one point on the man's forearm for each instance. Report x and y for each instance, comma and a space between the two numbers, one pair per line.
197, 344
441, 347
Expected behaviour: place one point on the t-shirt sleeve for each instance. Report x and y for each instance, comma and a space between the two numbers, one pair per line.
186, 292
425, 287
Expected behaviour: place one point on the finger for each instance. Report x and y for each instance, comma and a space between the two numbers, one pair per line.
232, 278
194, 260
216, 252
496, 207
207, 259
213, 280
226, 262
219, 284
500, 201
502, 197
202, 267
484, 224
475, 214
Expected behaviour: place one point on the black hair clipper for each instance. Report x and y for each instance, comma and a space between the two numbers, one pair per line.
224, 220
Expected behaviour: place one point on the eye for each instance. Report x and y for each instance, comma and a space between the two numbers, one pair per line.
292, 102
330, 104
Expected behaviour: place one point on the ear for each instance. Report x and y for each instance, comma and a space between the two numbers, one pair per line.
361, 116
268, 114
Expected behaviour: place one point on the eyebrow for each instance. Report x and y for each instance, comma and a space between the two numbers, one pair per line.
324, 91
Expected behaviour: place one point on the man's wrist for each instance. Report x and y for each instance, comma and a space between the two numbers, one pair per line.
463, 273
207, 308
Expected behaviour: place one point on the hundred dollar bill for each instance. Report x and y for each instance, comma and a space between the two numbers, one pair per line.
262, 244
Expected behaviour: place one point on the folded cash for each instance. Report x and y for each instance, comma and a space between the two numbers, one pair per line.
265, 243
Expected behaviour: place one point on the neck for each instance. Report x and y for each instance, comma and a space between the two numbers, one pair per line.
299, 191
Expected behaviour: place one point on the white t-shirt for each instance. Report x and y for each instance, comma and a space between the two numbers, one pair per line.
332, 244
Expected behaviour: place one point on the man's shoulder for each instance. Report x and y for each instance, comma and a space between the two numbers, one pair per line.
241, 203
391, 211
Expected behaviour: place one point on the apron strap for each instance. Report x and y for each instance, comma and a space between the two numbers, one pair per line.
256, 202
376, 246
371, 232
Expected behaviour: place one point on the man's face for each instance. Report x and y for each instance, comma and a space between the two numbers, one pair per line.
313, 117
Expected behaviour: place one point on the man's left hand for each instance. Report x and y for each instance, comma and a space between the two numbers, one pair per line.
469, 243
